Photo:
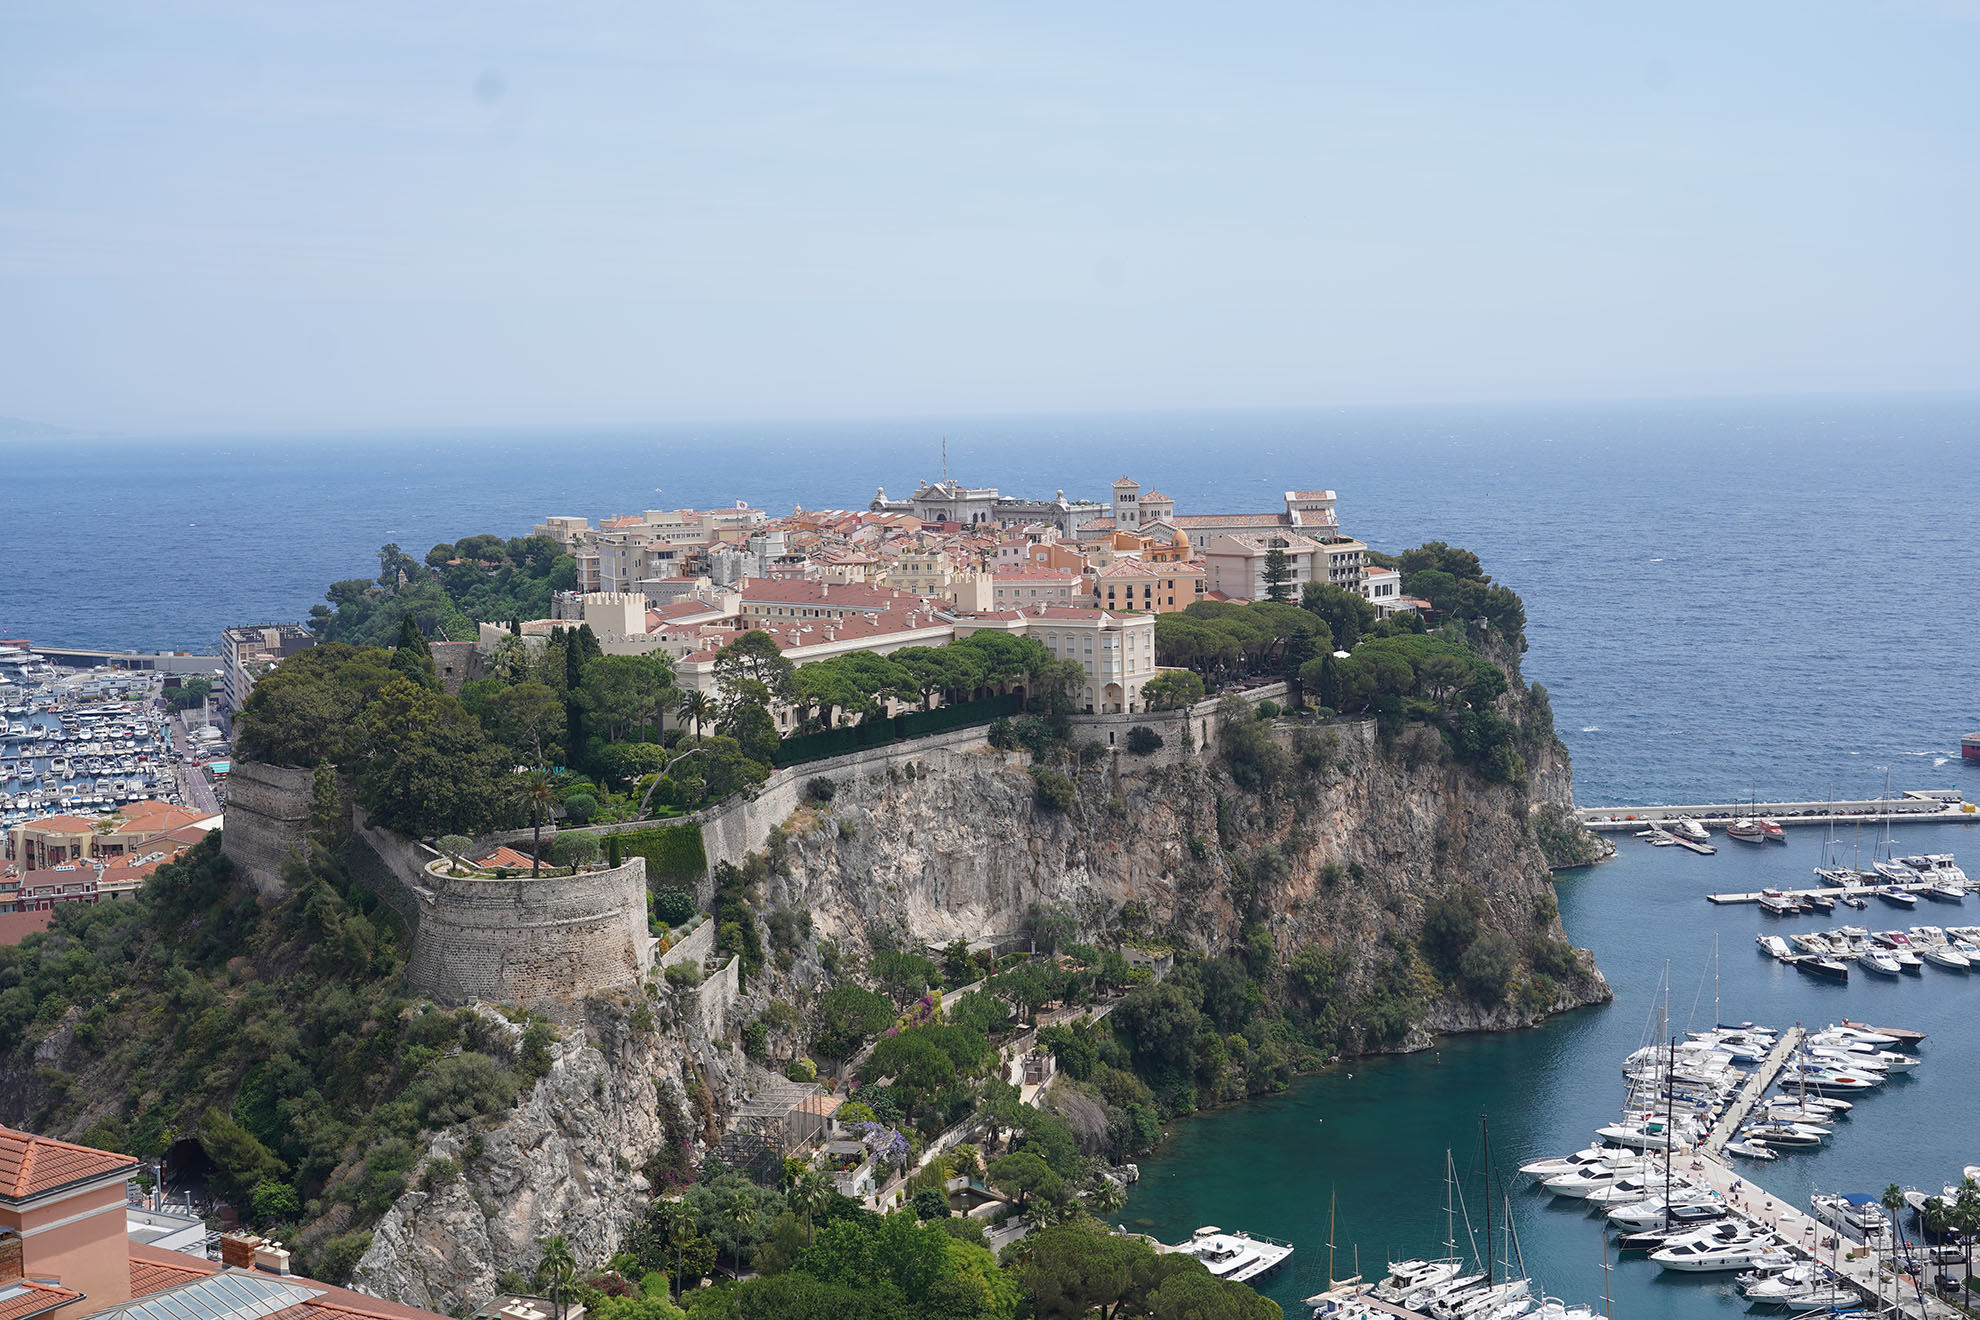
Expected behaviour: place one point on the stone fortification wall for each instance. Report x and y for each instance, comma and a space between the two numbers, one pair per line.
716, 996
267, 819
732, 829
695, 948
542, 944
742, 825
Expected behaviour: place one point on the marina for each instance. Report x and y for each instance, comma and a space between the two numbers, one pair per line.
1375, 1133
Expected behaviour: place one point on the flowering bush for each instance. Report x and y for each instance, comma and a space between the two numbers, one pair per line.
885, 1144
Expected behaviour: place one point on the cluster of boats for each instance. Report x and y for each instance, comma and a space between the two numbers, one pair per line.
91, 758
1653, 1196
1889, 953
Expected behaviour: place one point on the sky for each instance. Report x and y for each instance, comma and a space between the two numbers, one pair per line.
232, 216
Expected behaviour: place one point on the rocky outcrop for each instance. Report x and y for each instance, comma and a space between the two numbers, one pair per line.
568, 1159
1346, 852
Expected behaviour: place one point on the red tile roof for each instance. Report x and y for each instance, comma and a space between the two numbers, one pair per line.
17, 926
151, 1274
31, 1165
25, 1297
507, 856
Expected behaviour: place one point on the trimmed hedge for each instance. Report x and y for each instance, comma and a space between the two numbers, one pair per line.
878, 733
673, 853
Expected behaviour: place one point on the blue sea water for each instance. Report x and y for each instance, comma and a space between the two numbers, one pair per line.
1771, 597
1724, 598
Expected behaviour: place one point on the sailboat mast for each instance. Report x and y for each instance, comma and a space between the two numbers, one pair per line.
1450, 1207
1485, 1129
1330, 1237
1670, 1123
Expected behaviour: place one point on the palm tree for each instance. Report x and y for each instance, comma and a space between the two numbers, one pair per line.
1893, 1202
809, 1198
1107, 1197
679, 1221
539, 790
741, 1214
1965, 1217
558, 1267
695, 708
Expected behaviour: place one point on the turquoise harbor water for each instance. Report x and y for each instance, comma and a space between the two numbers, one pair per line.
1374, 1135
1728, 598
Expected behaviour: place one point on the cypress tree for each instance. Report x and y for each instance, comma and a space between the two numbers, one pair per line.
412, 659
612, 854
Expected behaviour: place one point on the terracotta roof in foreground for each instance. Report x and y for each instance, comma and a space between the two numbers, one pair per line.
28, 1297
31, 1165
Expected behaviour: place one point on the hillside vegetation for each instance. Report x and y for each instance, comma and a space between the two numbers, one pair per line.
277, 1041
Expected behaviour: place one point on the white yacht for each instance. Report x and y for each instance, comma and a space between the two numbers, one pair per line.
1856, 1214
1712, 1256
1687, 828
1238, 1257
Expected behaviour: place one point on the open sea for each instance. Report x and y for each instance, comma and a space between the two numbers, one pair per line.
1777, 598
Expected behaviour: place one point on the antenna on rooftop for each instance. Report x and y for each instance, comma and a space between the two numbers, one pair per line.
945, 460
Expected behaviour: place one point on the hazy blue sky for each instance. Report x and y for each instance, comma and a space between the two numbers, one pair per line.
236, 215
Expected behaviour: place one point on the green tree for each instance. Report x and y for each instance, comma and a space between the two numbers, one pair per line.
1278, 573
413, 660
1172, 689
539, 791
574, 849
810, 1198
1347, 614
1049, 925
846, 1017
1025, 1175
752, 668
557, 1270
326, 809
426, 766
696, 708
1076, 1268
740, 1212
529, 719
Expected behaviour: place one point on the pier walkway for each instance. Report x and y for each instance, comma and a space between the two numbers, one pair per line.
1868, 889
1807, 1236
1919, 806
1756, 1086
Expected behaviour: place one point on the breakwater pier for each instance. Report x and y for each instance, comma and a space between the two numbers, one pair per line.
1919, 806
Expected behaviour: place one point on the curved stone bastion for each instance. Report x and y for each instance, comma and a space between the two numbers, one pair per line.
540, 943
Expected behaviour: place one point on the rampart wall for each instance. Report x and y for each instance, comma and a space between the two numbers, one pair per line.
541, 944
266, 819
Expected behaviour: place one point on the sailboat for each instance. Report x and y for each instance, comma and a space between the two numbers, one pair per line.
1886, 863
1832, 872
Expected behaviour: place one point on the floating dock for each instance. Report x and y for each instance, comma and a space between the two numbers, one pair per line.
1860, 891
1756, 1086
1664, 838
1920, 806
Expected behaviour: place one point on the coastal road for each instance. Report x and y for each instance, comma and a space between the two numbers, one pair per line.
194, 789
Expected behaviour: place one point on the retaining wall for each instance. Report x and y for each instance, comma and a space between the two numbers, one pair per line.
742, 825
717, 996
266, 819
695, 948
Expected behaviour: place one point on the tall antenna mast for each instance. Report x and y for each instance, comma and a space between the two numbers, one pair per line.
945, 460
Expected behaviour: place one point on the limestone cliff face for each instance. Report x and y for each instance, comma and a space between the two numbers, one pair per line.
566, 1160
1340, 855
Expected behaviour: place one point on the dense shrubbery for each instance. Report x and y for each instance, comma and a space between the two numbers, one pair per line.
479, 579
275, 1038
